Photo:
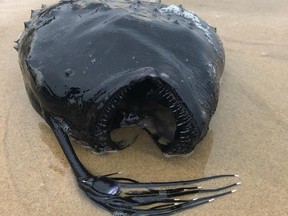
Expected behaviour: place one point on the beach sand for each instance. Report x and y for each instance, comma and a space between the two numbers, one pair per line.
248, 133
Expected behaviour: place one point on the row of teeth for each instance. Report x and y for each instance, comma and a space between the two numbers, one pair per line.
110, 106
184, 121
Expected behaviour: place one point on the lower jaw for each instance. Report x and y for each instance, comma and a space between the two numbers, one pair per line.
186, 133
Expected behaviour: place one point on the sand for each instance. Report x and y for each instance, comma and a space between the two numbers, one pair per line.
248, 134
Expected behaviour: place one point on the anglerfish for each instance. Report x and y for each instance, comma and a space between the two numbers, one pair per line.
92, 67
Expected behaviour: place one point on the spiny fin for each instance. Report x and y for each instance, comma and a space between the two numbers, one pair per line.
34, 12
43, 6
181, 6
16, 47
27, 24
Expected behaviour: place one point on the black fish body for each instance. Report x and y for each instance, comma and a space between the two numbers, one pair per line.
91, 67
76, 56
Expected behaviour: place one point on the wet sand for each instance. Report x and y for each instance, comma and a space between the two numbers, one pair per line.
248, 134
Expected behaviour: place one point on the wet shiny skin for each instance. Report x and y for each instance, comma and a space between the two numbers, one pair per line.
253, 142
53, 51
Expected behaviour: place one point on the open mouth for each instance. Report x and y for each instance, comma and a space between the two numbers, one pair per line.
153, 105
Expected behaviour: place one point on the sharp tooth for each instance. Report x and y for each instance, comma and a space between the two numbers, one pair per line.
183, 132
179, 124
172, 106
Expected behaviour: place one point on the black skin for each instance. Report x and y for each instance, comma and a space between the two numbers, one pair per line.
75, 59
89, 69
